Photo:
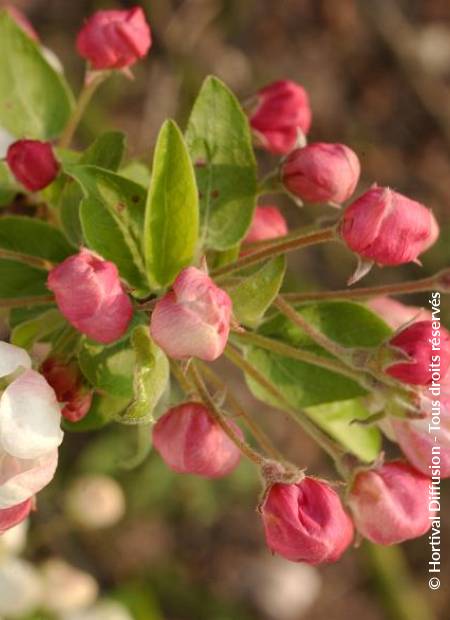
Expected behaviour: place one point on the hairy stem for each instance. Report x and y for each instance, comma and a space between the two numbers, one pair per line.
33, 261
329, 445
398, 288
26, 301
221, 419
257, 432
276, 248
91, 84
299, 354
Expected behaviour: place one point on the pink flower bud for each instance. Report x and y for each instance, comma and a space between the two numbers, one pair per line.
32, 163
282, 111
22, 20
395, 313
306, 522
390, 503
419, 438
192, 320
89, 294
267, 223
9, 517
114, 39
321, 172
67, 383
388, 228
416, 341
191, 442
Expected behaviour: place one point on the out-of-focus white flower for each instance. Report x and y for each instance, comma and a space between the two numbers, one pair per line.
103, 610
95, 501
14, 540
30, 430
20, 587
67, 588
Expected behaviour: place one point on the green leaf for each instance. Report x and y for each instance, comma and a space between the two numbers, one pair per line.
35, 100
171, 218
219, 141
104, 409
109, 369
136, 171
18, 280
112, 219
38, 328
8, 186
105, 152
336, 419
151, 376
254, 294
305, 385
32, 237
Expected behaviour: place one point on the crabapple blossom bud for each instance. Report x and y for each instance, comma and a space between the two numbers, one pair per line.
114, 39
421, 346
390, 503
268, 223
20, 588
95, 501
66, 588
321, 172
9, 517
282, 112
416, 437
191, 442
193, 319
395, 313
388, 228
33, 163
66, 380
89, 294
306, 522
22, 20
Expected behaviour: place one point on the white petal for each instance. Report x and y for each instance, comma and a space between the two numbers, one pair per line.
29, 417
12, 358
20, 479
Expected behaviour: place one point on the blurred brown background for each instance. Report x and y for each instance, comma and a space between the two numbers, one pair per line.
378, 74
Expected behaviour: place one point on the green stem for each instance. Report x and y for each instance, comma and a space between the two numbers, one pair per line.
221, 419
299, 354
270, 184
33, 261
278, 247
233, 403
90, 86
26, 301
398, 288
300, 418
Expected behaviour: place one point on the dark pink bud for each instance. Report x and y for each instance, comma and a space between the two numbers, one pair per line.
193, 319
395, 313
281, 113
390, 503
306, 522
191, 442
416, 437
67, 382
267, 223
9, 517
418, 341
22, 20
89, 294
32, 163
321, 172
114, 39
388, 228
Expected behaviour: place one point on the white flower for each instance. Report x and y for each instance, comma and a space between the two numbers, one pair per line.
14, 540
95, 501
66, 588
30, 430
103, 610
